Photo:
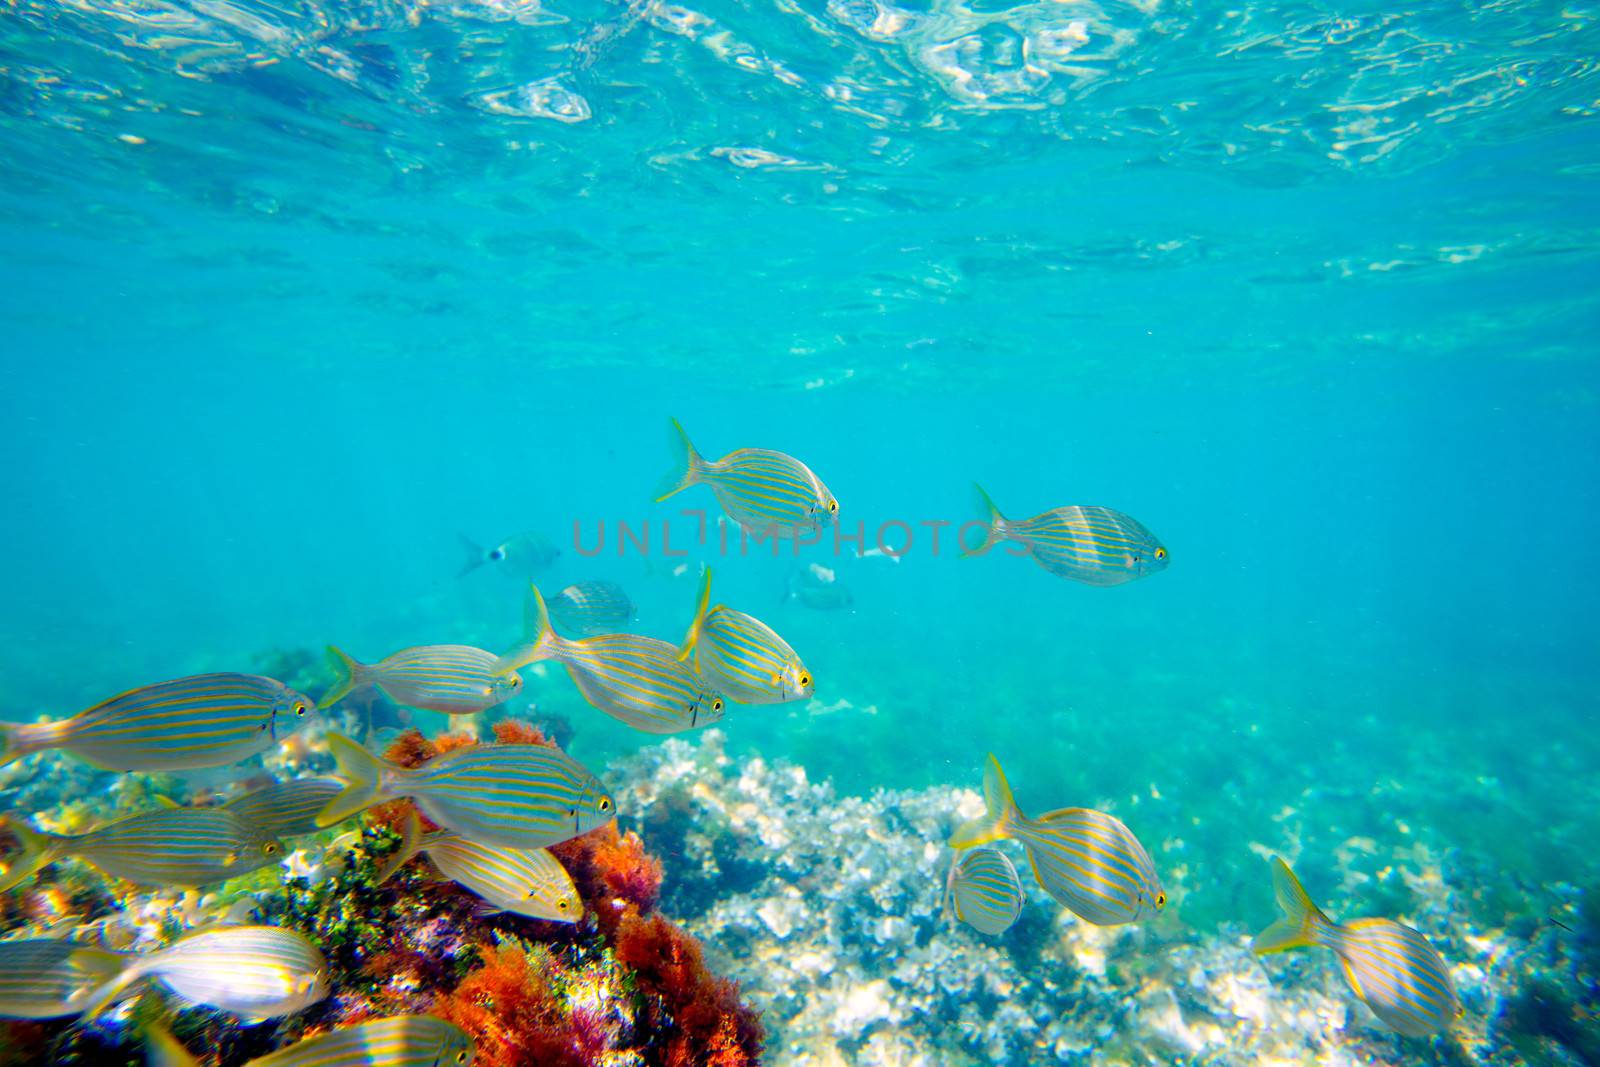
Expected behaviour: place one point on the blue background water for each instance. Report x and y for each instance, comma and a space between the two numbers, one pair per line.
292, 296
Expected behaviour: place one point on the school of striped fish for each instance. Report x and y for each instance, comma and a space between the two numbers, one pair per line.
500, 807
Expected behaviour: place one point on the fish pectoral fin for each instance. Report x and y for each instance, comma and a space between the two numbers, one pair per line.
1350, 976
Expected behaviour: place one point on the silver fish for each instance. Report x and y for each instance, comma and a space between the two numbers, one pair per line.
1391, 967
208, 720
588, 609
519, 796
818, 587
1087, 860
523, 556
769, 494
398, 1041
286, 809
255, 972
162, 848
453, 679
46, 978
529, 882
1094, 545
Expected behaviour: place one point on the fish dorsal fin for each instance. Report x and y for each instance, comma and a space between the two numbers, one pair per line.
697, 626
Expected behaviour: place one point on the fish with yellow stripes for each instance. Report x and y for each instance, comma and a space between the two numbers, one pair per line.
638, 680
1392, 968
529, 882
1088, 861
742, 657
47, 978
983, 891
208, 720
1094, 545
767, 493
286, 809
255, 972
160, 848
453, 679
592, 608
518, 796
398, 1041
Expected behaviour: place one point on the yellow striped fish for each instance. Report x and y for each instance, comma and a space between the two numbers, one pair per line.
589, 609
255, 972
742, 657
528, 882
983, 891
638, 680
453, 679
1391, 967
767, 493
161, 848
286, 809
1089, 544
398, 1041
43, 978
1088, 861
519, 796
209, 720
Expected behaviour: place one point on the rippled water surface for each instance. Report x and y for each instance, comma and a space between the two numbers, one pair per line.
808, 183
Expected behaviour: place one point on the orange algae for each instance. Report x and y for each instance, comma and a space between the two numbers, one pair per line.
510, 1009
611, 870
701, 1015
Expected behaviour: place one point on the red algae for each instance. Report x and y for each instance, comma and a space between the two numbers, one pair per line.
509, 1008
708, 1022
517, 732
611, 870
516, 1000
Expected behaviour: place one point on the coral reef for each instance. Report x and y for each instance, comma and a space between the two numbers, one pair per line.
826, 909
626, 986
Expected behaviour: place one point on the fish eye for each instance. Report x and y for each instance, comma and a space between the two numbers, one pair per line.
461, 1057
562, 905
299, 707
605, 804
1161, 901
572, 812
805, 680
270, 849
716, 705
833, 507
1161, 553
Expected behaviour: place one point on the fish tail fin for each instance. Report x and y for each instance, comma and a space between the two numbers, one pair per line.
692, 638
410, 845
37, 850
362, 774
18, 739
542, 639
999, 810
947, 909
1302, 923
475, 555
348, 676
687, 470
100, 963
108, 994
161, 1049
994, 524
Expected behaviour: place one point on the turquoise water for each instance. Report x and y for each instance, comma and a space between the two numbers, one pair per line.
293, 295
